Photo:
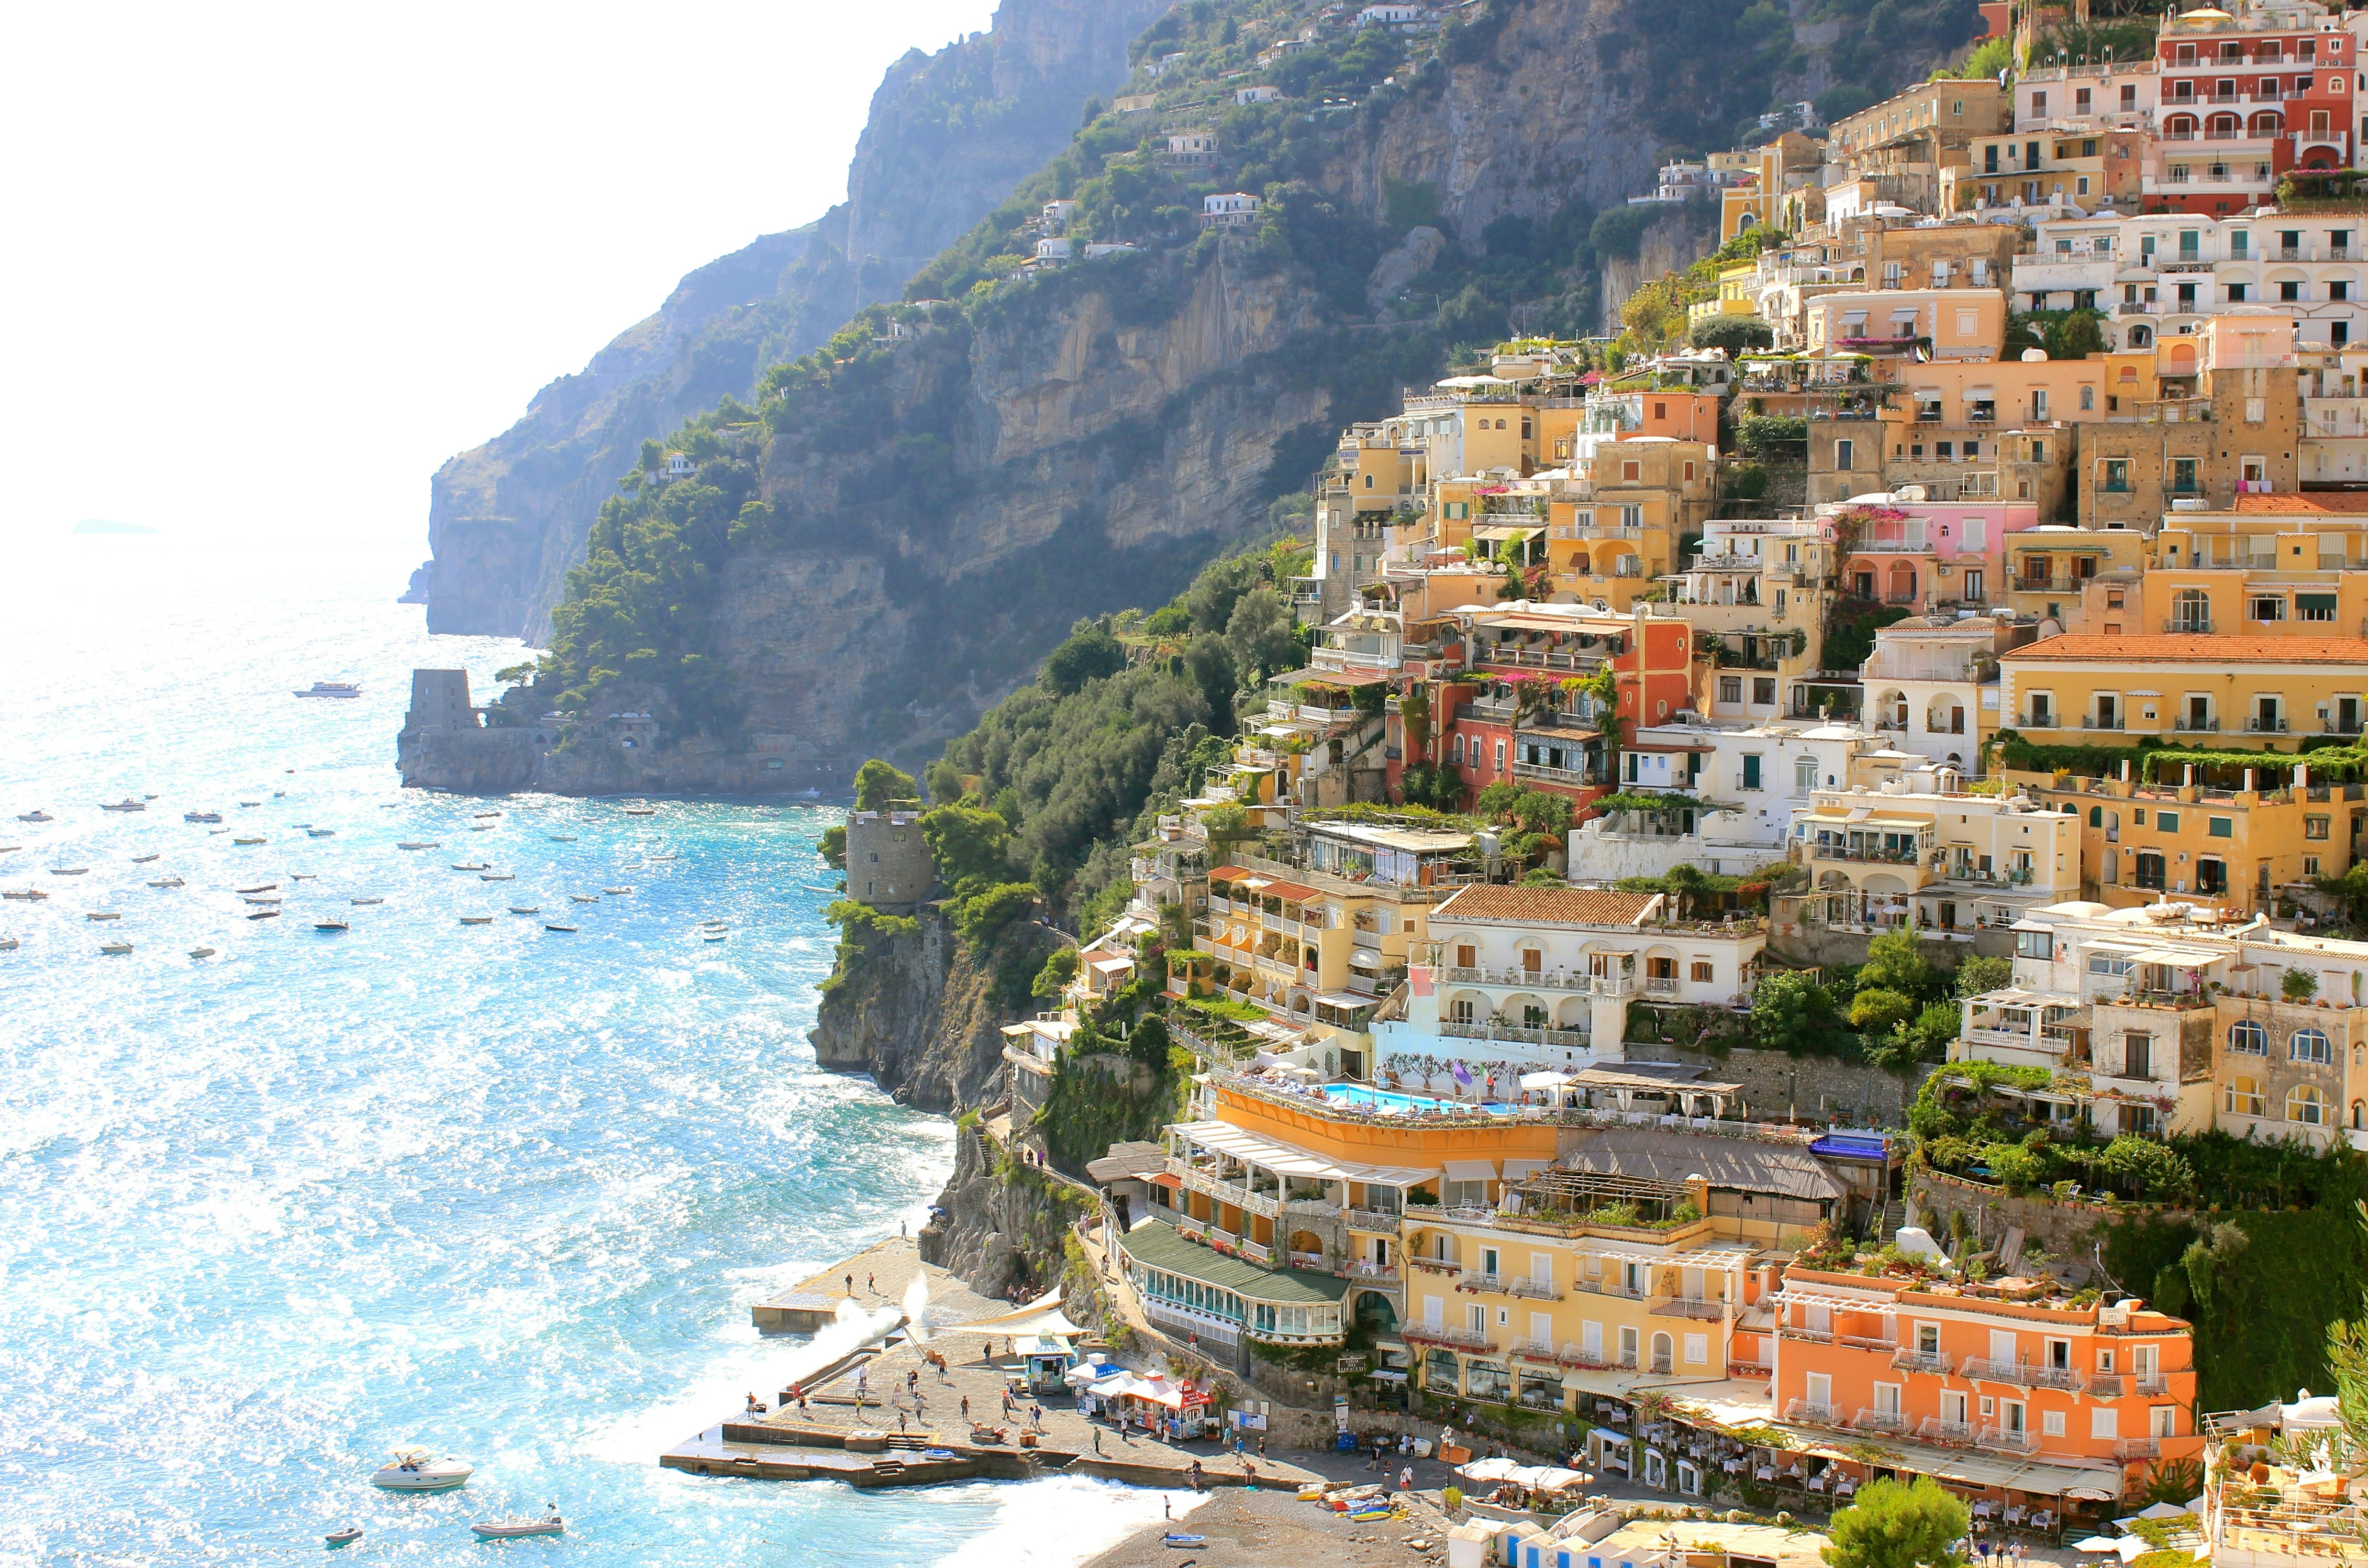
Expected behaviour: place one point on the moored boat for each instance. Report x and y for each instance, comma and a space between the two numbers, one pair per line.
115, 950
414, 1468
202, 816
168, 883
476, 920
144, 859
104, 915
36, 815
616, 892
498, 876
26, 896
320, 832
585, 897
261, 887
247, 841
125, 805
561, 837
547, 926
641, 811
357, 902
511, 1529
332, 688
429, 843
346, 1537
202, 952
483, 814
332, 924
304, 876
526, 909
472, 865
265, 915
7, 944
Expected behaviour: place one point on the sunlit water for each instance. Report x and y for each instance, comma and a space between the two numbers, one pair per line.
504, 1191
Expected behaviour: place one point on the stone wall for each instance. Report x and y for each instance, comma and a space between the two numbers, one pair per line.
1776, 1084
2070, 1232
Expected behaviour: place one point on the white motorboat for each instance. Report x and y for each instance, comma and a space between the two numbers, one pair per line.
262, 887
332, 688
331, 925
616, 892
7, 944
202, 952
417, 1469
711, 936
168, 883
582, 897
483, 814
125, 805
346, 1537
304, 876
360, 902
262, 900
429, 843
115, 950
510, 1529
103, 914
202, 816
551, 927
247, 841
641, 811
265, 915
496, 876
35, 816
144, 859
476, 920
526, 909
472, 865
561, 837
69, 871
481, 827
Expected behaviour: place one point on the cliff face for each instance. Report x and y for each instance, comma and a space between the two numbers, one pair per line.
920, 1016
948, 136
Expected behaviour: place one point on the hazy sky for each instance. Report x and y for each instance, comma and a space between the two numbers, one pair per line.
269, 264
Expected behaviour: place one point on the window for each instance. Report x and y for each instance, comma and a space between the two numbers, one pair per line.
2117, 475
2105, 1421
2311, 1045
2166, 821
2035, 944
2247, 1038
1730, 688
2315, 607
2244, 1095
1701, 973
2220, 827
1763, 689
1805, 774
2267, 606
2314, 827
2182, 476
2307, 1105
1842, 455
2051, 1424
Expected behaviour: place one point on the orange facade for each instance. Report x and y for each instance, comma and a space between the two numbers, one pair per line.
2018, 1372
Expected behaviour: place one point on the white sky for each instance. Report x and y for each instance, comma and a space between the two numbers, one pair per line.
269, 265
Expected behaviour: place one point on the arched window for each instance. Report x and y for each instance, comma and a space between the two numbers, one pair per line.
2310, 1045
2244, 1095
2088, 397
2247, 1038
2306, 1106
2141, 337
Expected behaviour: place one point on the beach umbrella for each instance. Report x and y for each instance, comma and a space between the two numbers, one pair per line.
1490, 1470
2097, 1543
2163, 1511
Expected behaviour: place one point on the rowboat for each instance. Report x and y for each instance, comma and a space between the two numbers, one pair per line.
261, 887
265, 915
585, 897
202, 952
115, 950
476, 920
526, 909
510, 1529
304, 876
346, 1537
616, 892
168, 883
472, 865
641, 811
103, 914
414, 845
144, 859
246, 841
331, 925
357, 902
561, 837
28, 895
498, 876
69, 871
551, 927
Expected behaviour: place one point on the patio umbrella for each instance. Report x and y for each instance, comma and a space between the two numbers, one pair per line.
2097, 1543
2163, 1511
1490, 1470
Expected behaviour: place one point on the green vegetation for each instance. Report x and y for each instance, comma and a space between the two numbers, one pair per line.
878, 785
1889, 1525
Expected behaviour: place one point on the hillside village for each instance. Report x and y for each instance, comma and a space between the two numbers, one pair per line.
1966, 592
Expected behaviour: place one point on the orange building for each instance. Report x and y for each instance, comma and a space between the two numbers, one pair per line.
2013, 1368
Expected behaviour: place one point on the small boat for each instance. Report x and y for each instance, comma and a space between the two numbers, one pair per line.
585, 897
476, 920
300, 825
561, 837
481, 827
357, 902
35, 816
304, 876
29, 895
265, 915
472, 865
250, 803
10, 848
510, 1529
104, 915
1173, 1538
115, 950
247, 841
332, 688
268, 900
214, 832
661, 857
417, 1469
498, 876
125, 805
148, 797
320, 832
551, 927
346, 1537
144, 859
202, 952
484, 814
526, 909
69, 871
7, 944
711, 936
262, 887
616, 892
280, 794
331, 925
168, 883
202, 816
810, 888
429, 844
641, 811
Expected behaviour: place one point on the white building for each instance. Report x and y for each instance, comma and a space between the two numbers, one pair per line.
1257, 95
2158, 275
1058, 213
2119, 94
1931, 685
1918, 846
1051, 252
1544, 976
1232, 210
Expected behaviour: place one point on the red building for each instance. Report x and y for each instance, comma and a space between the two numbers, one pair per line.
2244, 100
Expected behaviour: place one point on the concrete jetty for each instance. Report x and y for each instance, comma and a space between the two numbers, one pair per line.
881, 1274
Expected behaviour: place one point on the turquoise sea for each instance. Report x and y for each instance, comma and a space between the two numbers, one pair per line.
503, 1192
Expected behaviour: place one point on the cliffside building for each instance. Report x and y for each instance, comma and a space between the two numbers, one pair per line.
889, 864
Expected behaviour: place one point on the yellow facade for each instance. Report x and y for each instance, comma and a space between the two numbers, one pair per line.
2240, 690
2085, 579
2232, 846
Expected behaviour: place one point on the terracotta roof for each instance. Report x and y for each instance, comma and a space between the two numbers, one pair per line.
2197, 650
1553, 906
2319, 501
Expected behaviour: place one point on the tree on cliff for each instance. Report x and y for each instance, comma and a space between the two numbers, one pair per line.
1891, 1526
879, 784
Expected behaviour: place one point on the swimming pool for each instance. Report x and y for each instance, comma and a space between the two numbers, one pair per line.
1366, 1098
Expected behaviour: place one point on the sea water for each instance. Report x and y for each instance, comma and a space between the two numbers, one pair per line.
500, 1190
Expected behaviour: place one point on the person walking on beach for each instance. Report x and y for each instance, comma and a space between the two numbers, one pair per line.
850, 1284
871, 1283
1405, 1479
965, 1407
1097, 1442
1166, 1508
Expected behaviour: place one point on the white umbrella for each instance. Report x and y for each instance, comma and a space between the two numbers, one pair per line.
2097, 1543
1490, 1470
1544, 1080
1554, 1478
2163, 1511
2131, 1547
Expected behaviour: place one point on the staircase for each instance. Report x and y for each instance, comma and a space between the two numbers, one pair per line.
1886, 1222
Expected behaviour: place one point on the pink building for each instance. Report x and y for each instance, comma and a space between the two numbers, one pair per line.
1899, 549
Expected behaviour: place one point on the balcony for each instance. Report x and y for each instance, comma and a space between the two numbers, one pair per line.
2128, 1448
1569, 777
1869, 854
1688, 1307
2261, 724
2196, 726
1920, 1361
1487, 1284
1934, 1430
1814, 1415
2035, 720
1881, 1421
2155, 1387
1534, 1290
1376, 1220
1257, 1252
2101, 721
1532, 1349
1439, 1334
1809, 1336
2000, 1439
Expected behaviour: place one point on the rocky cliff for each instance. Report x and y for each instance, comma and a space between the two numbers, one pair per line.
948, 136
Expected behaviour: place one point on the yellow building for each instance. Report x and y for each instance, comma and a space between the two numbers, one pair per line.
2234, 837
1955, 323
2292, 565
1739, 293
2081, 579
2246, 691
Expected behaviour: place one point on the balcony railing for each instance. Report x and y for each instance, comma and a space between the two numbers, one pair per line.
2102, 721
1688, 1307
1920, 1361
1534, 1290
1473, 1279
1439, 1333
1934, 1430
2261, 724
2196, 726
1534, 1349
1815, 1415
2000, 1439
1372, 1220
2107, 1385
2129, 1448
1879, 1421
2154, 1386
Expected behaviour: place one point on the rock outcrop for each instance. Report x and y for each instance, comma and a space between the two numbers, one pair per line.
948, 136
919, 1015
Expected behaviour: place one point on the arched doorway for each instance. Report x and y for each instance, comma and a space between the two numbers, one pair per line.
1375, 1314
1900, 589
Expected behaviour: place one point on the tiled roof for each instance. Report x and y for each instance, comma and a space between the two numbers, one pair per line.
1552, 907
2198, 650
1154, 1242
2320, 501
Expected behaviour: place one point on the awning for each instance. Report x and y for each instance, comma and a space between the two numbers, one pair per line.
1908, 313
1336, 683
1364, 958
1516, 1169
2180, 958
1471, 1170
1168, 1179
1504, 532
1283, 1159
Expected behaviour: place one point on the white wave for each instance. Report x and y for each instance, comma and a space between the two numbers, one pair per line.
1093, 1515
